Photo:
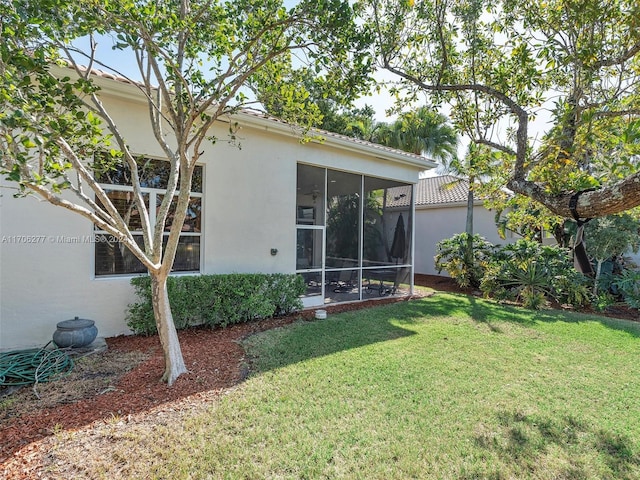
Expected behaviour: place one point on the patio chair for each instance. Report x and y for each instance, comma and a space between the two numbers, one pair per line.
347, 279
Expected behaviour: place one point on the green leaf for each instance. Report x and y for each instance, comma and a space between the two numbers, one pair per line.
27, 142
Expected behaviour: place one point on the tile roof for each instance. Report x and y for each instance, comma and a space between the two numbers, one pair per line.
433, 191
399, 197
442, 190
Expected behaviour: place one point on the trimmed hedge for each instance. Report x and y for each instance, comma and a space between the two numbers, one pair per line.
217, 300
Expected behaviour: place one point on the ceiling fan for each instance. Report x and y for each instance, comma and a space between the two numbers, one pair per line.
314, 192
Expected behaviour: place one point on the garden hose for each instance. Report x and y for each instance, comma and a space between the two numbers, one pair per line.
26, 367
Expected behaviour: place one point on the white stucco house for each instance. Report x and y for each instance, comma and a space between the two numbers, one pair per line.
320, 209
441, 213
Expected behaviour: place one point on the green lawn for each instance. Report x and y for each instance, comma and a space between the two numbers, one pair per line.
447, 387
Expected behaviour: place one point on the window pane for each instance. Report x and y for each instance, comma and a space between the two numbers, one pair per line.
387, 223
313, 282
310, 195
193, 220
124, 203
111, 170
113, 258
343, 219
153, 173
188, 254
196, 180
309, 249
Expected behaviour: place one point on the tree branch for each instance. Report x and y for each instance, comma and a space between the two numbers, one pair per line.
623, 57
608, 200
520, 170
61, 202
495, 146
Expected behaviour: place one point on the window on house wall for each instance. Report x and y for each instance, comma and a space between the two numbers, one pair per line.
111, 256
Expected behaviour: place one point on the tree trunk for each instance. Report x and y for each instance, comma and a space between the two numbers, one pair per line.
468, 254
469, 226
174, 362
597, 277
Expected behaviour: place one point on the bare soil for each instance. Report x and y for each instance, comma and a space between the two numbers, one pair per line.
124, 381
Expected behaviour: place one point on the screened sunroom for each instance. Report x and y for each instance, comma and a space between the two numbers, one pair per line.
354, 235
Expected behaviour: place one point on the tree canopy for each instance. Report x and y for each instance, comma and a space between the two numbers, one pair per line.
197, 61
500, 64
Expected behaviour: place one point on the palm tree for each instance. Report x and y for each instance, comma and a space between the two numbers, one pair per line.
423, 132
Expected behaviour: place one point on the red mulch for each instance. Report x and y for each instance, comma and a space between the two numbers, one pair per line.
215, 361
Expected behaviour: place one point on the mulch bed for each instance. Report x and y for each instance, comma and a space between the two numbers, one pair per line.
214, 358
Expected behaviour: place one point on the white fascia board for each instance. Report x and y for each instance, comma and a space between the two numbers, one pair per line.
336, 141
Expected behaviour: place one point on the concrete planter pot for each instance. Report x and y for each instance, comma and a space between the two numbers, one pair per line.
75, 333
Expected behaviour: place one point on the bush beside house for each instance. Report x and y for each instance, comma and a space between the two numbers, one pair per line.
218, 300
531, 273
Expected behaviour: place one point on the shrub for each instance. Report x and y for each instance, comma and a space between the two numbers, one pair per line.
530, 272
572, 287
604, 300
529, 281
140, 317
452, 256
284, 291
217, 300
628, 284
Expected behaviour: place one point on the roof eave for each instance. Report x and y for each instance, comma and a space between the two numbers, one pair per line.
346, 143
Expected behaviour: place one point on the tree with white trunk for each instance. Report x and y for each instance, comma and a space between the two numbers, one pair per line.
197, 60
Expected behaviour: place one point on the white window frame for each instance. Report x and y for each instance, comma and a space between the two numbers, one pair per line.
152, 195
